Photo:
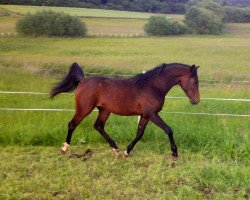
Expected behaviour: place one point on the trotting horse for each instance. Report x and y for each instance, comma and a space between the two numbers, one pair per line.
143, 95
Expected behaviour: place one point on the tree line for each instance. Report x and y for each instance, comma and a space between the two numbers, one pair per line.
227, 8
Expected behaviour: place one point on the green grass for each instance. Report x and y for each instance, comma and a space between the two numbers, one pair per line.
214, 150
220, 57
42, 173
114, 26
52, 126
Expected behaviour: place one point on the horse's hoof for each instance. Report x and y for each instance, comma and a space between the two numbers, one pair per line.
125, 154
115, 151
62, 151
175, 158
65, 147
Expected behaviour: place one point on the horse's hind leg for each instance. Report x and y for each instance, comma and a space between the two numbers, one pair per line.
78, 117
99, 126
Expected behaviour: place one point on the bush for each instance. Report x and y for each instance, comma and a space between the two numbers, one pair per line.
203, 21
214, 7
49, 23
160, 26
238, 15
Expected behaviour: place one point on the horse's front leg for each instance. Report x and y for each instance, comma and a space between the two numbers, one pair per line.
141, 127
156, 119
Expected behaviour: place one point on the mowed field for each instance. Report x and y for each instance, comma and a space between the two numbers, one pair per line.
214, 150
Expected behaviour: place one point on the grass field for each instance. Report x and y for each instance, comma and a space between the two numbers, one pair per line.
85, 12
214, 150
215, 54
98, 21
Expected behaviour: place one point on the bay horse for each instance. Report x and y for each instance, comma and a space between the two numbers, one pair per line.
142, 94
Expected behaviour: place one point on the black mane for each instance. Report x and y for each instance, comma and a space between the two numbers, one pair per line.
141, 79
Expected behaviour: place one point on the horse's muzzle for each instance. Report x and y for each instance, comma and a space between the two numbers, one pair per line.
194, 101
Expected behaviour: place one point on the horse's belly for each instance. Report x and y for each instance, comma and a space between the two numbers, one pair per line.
121, 107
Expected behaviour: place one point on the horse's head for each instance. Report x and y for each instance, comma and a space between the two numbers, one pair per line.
190, 84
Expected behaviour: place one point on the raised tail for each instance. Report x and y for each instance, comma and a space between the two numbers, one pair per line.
70, 82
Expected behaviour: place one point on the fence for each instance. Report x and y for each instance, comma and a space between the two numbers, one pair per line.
95, 35
117, 35
72, 110
9, 34
170, 97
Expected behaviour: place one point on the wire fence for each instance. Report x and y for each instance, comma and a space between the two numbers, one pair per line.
168, 97
95, 35
72, 110
205, 81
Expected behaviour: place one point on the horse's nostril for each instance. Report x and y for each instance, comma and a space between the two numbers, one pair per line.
194, 101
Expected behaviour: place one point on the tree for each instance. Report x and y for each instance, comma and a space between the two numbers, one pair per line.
238, 15
203, 21
214, 7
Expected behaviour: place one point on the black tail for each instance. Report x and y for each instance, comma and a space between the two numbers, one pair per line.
70, 82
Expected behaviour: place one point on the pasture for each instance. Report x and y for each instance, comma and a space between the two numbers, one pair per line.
214, 150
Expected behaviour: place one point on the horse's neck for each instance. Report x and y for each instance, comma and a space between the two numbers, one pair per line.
166, 81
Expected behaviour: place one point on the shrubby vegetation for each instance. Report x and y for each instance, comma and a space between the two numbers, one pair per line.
239, 15
212, 6
203, 21
235, 2
4, 13
161, 26
205, 17
49, 23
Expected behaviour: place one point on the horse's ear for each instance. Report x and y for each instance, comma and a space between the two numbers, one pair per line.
192, 68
